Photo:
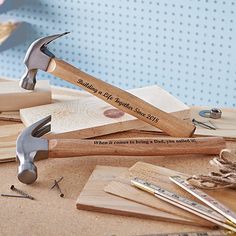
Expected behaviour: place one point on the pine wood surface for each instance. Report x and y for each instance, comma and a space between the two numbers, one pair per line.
13, 98
8, 134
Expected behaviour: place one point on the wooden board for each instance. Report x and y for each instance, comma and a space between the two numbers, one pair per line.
89, 117
10, 116
13, 98
8, 135
225, 126
94, 198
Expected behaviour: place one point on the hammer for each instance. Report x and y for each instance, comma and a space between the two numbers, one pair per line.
30, 147
39, 57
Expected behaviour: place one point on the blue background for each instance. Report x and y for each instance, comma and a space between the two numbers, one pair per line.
188, 47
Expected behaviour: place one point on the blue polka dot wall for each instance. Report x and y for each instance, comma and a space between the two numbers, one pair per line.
185, 46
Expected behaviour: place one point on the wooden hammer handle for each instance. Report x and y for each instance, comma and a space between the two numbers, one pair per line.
135, 146
122, 100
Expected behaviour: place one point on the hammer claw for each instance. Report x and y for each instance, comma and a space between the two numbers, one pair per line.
44, 130
53, 37
40, 127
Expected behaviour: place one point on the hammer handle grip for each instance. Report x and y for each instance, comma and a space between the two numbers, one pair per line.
122, 100
135, 146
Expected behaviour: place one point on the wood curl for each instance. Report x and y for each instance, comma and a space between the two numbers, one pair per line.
225, 178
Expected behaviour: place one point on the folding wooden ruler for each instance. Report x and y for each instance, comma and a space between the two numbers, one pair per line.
202, 233
216, 213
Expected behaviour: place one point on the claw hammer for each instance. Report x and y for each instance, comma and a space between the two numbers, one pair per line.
30, 147
39, 57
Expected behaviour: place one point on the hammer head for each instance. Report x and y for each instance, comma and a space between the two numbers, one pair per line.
37, 57
28, 145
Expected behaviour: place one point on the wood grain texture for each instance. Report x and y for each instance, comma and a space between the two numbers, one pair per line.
8, 135
122, 100
93, 198
10, 116
84, 117
13, 98
225, 126
135, 146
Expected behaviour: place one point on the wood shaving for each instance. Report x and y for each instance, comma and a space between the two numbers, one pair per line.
225, 178
6, 29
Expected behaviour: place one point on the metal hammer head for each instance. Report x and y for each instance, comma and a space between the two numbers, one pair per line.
37, 57
28, 145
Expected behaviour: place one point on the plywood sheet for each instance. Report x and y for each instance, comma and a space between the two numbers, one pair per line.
94, 198
89, 116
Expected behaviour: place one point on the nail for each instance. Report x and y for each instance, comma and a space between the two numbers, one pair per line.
9, 195
203, 124
13, 188
59, 189
56, 182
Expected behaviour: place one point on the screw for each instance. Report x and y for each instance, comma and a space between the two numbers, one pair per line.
13, 188
203, 124
59, 189
8, 195
56, 182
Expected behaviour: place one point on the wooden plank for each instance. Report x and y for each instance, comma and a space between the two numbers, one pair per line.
10, 116
8, 135
11, 130
13, 98
94, 198
87, 116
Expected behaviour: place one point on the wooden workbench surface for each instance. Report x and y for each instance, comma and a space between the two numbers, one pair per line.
52, 215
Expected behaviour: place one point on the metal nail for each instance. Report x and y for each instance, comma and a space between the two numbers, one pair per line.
9, 195
59, 189
57, 181
203, 124
13, 188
